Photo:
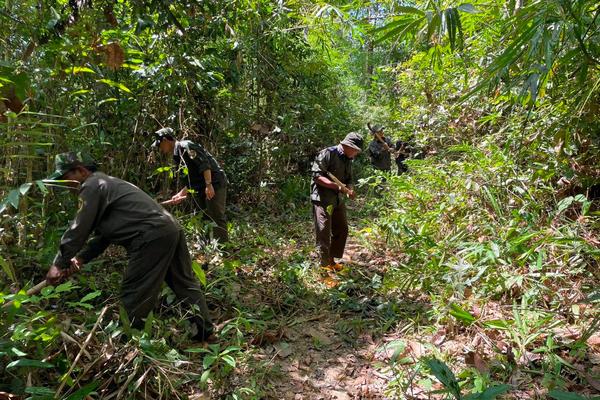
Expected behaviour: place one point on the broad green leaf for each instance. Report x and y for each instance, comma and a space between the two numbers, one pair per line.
229, 360
64, 287
560, 395
197, 268
109, 100
13, 198
91, 296
54, 18
8, 268
83, 393
17, 352
461, 314
445, 376
148, 323
205, 376
42, 187
24, 188
489, 393
208, 361
44, 392
80, 91
409, 10
197, 350
497, 324
25, 362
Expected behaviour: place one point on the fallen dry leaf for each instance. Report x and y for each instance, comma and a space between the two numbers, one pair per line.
283, 349
474, 359
594, 340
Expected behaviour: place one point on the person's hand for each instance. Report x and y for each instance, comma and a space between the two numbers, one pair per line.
54, 275
347, 191
76, 263
210, 191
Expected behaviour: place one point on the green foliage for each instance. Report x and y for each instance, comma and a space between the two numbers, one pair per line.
447, 378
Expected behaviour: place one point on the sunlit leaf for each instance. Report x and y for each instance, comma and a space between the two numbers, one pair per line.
114, 84
77, 70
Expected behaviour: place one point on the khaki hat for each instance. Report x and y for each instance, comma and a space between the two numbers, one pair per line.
354, 140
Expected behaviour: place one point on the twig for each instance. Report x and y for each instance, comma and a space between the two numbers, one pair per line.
87, 340
68, 338
34, 290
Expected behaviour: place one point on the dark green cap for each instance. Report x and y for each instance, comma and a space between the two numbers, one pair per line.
354, 140
64, 162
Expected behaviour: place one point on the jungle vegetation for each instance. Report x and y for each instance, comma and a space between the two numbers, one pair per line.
474, 275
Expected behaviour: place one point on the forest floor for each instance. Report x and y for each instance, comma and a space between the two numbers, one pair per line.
351, 336
289, 331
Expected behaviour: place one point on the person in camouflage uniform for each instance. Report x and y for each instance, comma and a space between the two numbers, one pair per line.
204, 176
379, 155
115, 211
329, 208
403, 150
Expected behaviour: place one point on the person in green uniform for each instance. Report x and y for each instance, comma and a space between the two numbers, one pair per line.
327, 197
379, 152
204, 176
115, 211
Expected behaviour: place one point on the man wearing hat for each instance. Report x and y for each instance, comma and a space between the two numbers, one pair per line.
379, 149
204, 176
327, 196
115, 211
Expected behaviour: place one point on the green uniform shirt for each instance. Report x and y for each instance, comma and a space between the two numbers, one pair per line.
380, 157
114, 211
331, 159
197, 160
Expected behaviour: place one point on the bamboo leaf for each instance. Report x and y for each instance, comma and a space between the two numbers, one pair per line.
78, 70
25, 362
461, 314
114, 84
197, 268
468, 8
445, 376
489, 393
8, 269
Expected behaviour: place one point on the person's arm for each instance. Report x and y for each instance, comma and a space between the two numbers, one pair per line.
320, 173
78, 232
93, 248
209, 190
349, 179
177, 197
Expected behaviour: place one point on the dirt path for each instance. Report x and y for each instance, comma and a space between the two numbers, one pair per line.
322, 356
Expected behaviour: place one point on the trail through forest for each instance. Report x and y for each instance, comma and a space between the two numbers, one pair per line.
340, 339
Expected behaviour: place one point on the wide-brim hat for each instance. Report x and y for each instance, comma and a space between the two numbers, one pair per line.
160, 134
353, 140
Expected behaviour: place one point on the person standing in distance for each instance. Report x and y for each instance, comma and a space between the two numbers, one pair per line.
327, 197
